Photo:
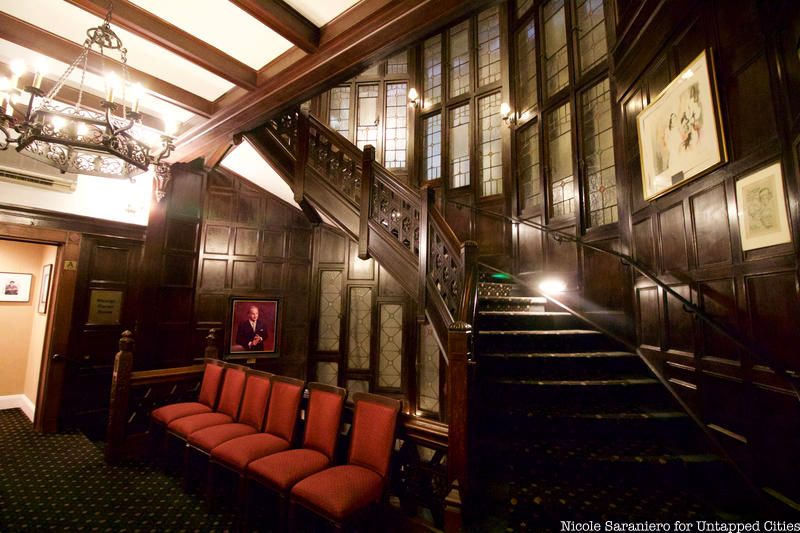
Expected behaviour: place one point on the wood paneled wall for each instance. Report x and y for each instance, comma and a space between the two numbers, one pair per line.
253, 245
691, 235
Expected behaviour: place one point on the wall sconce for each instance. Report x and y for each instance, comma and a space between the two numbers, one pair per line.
413, 98
507, 116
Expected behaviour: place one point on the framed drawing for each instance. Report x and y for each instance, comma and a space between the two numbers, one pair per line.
253, 327
44, 289
762, 209
680, 132
15, 287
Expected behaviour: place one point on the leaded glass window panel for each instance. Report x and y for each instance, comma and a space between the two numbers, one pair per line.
330, 310
490, 149
367, 127
356, 385
459, 59
489, 46
339, 117
529, 167
523, 6
432, 147
360, 328
526, 57
432, 82
397, 64
391, 346
591, 27
459, 146
328, 373
598, 151
555, 47
428, 377
559, 139
396, 125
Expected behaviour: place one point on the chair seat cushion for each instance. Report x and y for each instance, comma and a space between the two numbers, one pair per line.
208, 438
282, 470
338, 492
169, 413
239, 452
183, 427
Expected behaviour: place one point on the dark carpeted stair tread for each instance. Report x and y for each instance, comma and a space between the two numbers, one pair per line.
543, 332
617, 382
522, 313
605, 354
533, 299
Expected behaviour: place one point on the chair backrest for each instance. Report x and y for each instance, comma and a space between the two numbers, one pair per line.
256, 399
232, 388
284, 404
324, 415
372, 439
209, 389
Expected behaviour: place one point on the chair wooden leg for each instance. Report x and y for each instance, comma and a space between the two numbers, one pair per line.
211, 475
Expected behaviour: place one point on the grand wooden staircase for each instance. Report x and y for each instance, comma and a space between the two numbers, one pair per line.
565, 422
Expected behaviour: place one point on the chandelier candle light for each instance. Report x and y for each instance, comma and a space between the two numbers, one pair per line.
73, 138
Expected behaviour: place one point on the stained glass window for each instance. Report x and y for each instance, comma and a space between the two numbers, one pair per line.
360, 328
367, 130
490, 149
330, 310
590, 23
391, 346
397, 64
459, 59
396, 125
555, 47
489, 46
528, 167
526, 61
339, 117
432, 147
598, 153
459, 146
559, 139
428, 377
432, 84
328, 373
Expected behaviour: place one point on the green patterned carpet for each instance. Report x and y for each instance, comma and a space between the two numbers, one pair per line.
59, 482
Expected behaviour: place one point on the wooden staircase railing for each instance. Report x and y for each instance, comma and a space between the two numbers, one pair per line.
402, 229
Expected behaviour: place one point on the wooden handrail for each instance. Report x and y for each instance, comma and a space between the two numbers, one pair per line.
343, 143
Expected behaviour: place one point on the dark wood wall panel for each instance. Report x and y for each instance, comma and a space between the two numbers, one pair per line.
530, 248
254, 246
691, 234
711, 231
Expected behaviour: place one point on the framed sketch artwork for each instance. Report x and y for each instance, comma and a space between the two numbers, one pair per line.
15, 287
680, 132
762, 209
253, 327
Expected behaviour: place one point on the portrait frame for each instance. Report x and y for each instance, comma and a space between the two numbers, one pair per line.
15, 286
44, 289
761, 208
268, 318
681, 136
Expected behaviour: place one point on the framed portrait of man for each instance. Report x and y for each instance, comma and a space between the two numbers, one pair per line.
253, 327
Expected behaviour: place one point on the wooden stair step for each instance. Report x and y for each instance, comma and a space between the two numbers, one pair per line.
558, 355
624, 382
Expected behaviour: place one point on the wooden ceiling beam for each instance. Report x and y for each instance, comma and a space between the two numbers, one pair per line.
69, 95
156, 30
391, 26
284, 20
49, 44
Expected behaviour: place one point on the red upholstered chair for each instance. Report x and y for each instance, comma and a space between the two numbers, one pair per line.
206, 401
279, 472
250, 420
342, 494
278, 434
227, 410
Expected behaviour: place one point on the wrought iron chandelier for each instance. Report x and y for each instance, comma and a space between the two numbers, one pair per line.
75, 139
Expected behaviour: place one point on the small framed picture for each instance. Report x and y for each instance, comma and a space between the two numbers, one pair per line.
254, 327
762, 209
44, 289
15, 287
680, 131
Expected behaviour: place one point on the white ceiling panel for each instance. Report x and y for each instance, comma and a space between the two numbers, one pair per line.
71, 23
222, 25
245, 161
320, 12
93, 83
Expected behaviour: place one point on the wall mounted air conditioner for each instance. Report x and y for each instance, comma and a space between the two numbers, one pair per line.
23, 170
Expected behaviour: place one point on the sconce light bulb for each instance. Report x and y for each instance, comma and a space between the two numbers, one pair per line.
552, 286
413, 95
505, 110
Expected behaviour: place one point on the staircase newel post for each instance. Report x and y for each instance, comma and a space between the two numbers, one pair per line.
118, 405
367, 178
302, 155
459, 341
